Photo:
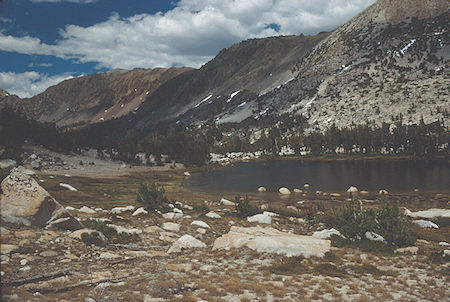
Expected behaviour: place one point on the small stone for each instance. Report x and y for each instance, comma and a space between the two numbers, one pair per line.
23, 262
152, 229
297, 191
172, 215
8, 248
260, 218
48, 254
201, 231
262, 189
227, 202
86, 210
284, 191
108, 256
335, 195
408, 250
352, 189
25, 234
213, 215
168, 236
185, 242
172, 227
25, 269
185, 267
200, 224
140, 211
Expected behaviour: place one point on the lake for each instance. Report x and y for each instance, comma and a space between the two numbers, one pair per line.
330, 176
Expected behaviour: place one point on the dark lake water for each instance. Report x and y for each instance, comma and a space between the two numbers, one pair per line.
335, 176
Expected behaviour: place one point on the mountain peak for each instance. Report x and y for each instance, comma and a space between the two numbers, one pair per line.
396, 11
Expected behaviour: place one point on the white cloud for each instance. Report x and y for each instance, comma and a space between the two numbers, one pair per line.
29, 83
190, 34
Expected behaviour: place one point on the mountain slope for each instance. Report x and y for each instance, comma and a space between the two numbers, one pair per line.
96, 97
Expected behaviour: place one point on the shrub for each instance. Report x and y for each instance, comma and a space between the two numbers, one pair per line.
151, 196
201, 207
353, 222
93, 238
244, 208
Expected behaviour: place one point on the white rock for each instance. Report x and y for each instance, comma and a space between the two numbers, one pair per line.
352, 189
187, 174
443, 243
407, 250
108, 256
383, 192
176, 210
284, 191
227, 202
119, 229
260, 218
201, 231
187, 207
271, 214
325, 234
306, 186
67, 186
23, 262
262, 189
139, 211
172, 227
298, 191
172, 215
200, 224
374, 237
69, 208
446, 253
87, 210
213, 215
426, 224
431, 213
120, 210
185, 242
24, 201
270, 240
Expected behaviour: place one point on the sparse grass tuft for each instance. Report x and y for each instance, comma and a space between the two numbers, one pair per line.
370, 269
244, 208
93, 238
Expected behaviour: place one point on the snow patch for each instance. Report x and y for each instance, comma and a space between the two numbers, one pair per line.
204, 100
232, 96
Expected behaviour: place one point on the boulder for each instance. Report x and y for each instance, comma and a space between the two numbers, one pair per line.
260, 218
325, 234
185, 242
270, 240
262, 189
306, 186
430, 213
187, 174
284, 191
383, 192
227, 202
426, 224
298, 191
24, 201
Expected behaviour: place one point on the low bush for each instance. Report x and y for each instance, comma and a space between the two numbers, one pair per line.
244, 208
151, 196
93, 238
353, 222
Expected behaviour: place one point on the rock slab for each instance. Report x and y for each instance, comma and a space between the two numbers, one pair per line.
270, 240
25, 202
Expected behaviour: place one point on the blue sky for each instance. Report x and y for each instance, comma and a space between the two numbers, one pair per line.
43, 42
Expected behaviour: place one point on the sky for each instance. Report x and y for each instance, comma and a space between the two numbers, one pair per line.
43, 42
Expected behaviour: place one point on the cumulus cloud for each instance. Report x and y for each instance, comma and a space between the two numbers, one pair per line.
190, 34
29, 83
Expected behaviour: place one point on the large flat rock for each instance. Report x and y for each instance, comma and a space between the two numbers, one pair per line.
24, 201
270, 240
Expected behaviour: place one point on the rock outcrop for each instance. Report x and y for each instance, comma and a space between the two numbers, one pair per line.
270, 240
24, 201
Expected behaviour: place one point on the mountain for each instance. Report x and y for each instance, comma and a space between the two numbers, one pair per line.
96, 97
390, 62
